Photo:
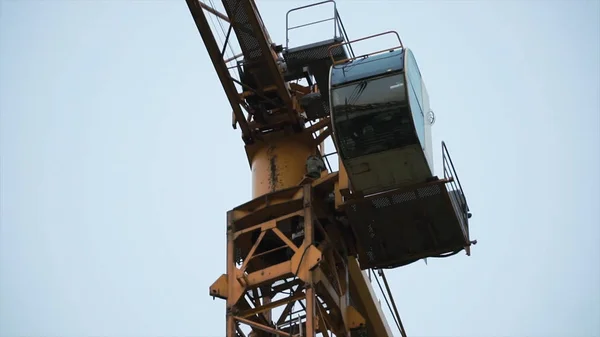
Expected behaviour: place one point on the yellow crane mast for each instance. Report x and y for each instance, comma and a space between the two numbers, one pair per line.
309, 234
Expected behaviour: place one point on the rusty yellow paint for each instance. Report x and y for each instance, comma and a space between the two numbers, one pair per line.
279, 161
365, 299
219, 287
353, 318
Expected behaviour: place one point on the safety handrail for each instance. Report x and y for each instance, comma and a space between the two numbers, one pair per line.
287, 18
450, 174
353, 57
343, 31
338, 25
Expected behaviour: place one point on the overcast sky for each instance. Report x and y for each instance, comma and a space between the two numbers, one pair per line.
118, 163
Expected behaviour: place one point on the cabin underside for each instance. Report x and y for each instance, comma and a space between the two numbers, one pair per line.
402, 226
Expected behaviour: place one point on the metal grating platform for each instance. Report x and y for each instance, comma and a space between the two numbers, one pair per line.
314, 52
259, 66
399, 228
244, 30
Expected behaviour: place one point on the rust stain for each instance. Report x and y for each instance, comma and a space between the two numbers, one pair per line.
273, 169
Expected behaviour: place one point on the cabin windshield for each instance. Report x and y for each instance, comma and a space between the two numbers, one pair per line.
372, 116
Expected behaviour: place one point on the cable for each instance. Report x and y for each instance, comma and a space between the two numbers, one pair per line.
301, 258
448, 254
223, 31
388, 304
213, 23
387, 286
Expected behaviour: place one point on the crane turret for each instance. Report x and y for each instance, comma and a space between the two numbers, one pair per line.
300, 251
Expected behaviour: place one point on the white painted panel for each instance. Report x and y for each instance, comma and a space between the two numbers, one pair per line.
428, 127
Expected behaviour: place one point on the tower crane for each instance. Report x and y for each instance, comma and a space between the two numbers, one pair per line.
300, 252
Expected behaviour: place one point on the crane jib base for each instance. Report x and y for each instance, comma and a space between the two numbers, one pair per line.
403, 226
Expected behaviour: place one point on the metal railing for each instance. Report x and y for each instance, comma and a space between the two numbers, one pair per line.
324, 156
451, 175
353, 57
338, 26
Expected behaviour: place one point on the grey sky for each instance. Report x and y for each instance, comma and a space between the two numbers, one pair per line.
118, 164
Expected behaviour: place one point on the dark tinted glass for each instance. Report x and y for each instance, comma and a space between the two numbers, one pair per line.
372, 116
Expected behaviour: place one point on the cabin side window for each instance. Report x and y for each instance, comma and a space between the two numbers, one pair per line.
371, 116
415, 96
